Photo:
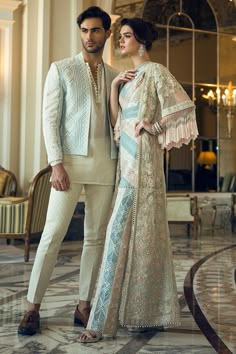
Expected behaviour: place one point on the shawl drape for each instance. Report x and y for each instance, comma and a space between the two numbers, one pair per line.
144, 293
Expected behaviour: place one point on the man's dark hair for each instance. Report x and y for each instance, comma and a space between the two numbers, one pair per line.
95, 12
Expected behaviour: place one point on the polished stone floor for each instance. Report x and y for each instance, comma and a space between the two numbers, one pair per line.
206, 277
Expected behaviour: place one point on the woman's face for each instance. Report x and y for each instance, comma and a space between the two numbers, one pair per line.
128, 43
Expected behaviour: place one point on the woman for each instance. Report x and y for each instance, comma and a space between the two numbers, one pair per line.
137, 285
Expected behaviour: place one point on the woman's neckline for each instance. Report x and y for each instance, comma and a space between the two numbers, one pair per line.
142, 64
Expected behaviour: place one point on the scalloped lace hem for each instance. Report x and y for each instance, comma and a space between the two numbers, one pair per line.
176, 136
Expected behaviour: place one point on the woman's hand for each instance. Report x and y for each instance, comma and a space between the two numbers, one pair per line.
124, 76
60, 179
143, 124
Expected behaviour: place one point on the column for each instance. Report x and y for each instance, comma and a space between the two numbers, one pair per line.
10, 38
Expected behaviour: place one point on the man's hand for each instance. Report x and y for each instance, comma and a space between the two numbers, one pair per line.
60, 179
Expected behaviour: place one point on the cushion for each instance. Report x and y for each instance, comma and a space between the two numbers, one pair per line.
3, 181
13, 217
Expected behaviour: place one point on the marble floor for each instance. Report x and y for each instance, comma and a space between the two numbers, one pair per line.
206, 279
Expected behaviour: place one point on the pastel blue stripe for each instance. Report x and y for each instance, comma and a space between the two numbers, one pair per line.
128, 144
123, 91
111, 254
124, 183
131, 112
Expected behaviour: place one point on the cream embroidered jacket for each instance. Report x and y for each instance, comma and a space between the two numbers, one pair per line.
67, 108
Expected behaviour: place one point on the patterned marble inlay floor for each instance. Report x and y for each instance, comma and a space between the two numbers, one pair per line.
213, 287
215, 291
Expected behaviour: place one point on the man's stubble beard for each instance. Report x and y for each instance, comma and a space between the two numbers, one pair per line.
97, 49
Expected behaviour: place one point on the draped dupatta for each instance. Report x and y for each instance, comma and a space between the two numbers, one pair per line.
144, 292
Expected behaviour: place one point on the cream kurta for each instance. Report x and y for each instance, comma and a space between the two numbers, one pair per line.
97, 167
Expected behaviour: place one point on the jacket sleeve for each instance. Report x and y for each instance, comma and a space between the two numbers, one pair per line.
178, 118
52, 112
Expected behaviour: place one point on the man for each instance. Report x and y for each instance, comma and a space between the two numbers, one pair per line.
80, 148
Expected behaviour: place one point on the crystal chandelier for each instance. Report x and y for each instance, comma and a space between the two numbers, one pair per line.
227, 101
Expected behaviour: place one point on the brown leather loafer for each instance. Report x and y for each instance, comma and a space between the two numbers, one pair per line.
81, 318
30, 323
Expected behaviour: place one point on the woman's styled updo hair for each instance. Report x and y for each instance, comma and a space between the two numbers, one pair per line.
144, 32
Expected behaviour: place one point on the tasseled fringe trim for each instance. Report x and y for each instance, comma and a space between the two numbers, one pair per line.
117, 136
117, 129
161, 324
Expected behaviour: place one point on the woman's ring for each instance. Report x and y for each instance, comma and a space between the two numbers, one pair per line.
122, 74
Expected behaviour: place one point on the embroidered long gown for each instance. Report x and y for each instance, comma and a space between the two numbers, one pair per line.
136, 286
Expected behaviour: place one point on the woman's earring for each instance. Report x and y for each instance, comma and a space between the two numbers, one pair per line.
141, 50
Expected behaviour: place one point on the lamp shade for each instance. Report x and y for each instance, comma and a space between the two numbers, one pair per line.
207, 158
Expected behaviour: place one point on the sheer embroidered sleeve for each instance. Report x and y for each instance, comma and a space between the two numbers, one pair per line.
52, 111
178, 119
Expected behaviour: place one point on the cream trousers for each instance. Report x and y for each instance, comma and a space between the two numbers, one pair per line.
60, 210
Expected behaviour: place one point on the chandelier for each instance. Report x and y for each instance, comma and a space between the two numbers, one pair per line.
225, 101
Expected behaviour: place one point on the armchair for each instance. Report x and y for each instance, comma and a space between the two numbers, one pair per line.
183, 210
8, 183
22, 216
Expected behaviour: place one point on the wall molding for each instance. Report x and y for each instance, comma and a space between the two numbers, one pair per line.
10, 5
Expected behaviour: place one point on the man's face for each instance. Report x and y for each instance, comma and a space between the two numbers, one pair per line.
93, 35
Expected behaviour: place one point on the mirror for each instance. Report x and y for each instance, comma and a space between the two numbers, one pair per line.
180, 47
195, 43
